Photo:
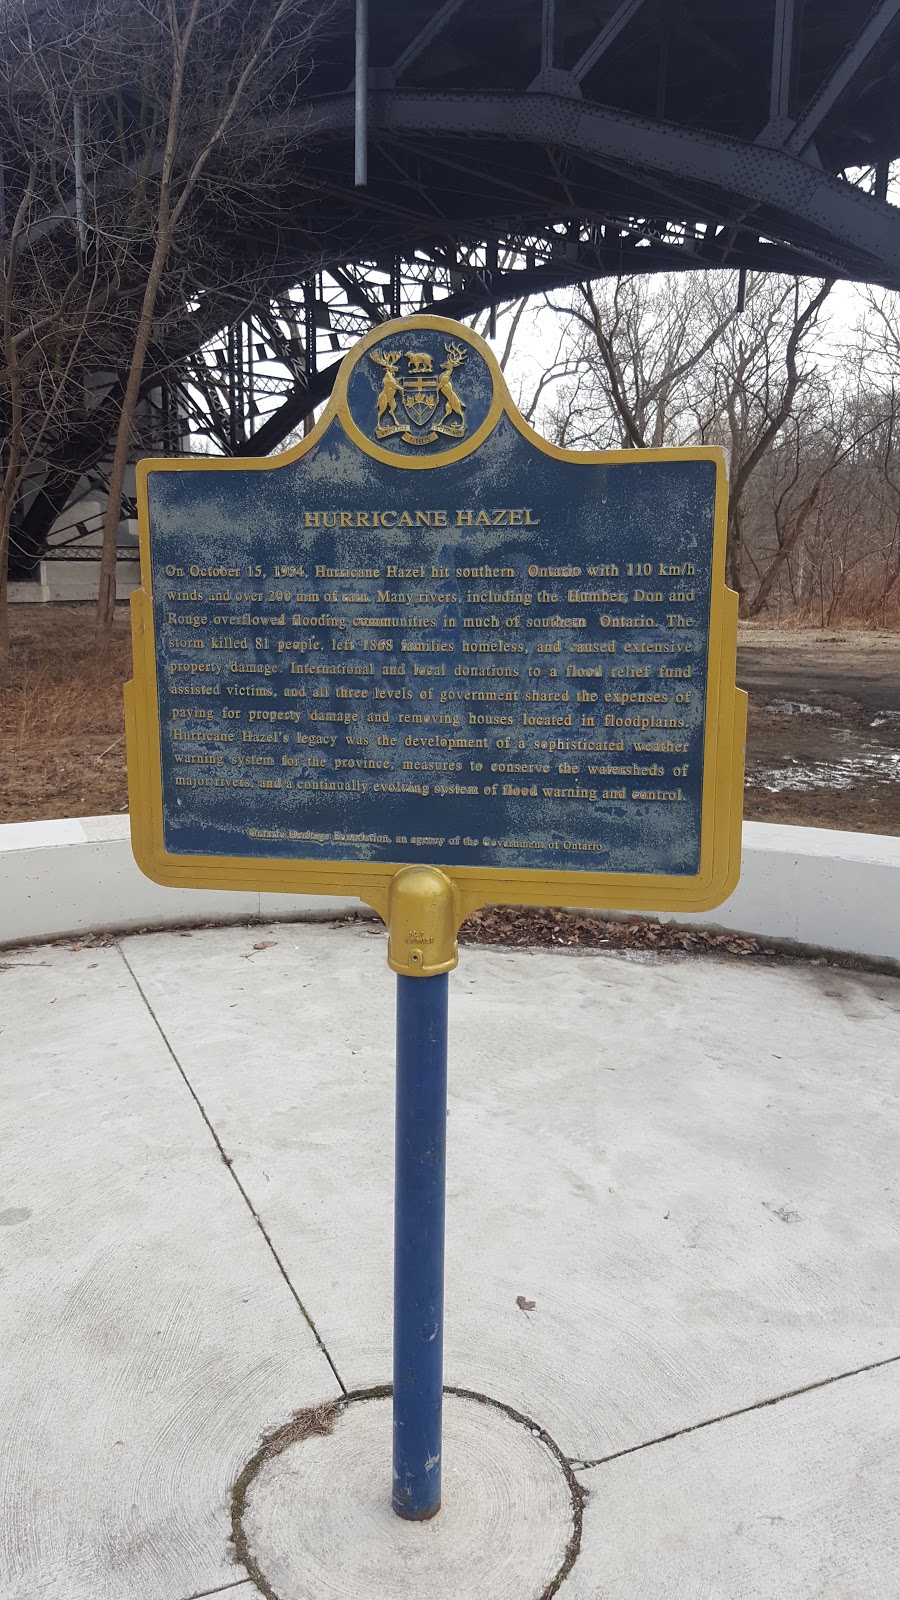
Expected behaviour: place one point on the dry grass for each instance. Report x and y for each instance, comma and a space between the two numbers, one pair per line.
859, 605
61, 718
42, 702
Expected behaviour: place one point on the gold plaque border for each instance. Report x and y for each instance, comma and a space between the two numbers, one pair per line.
724, 735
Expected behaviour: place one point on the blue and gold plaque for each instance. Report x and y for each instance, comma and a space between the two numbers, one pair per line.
427, 636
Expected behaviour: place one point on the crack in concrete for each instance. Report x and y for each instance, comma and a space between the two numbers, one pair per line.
228, 1162
578, 1465
201, 1594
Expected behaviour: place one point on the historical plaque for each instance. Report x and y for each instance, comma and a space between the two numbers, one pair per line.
425, 635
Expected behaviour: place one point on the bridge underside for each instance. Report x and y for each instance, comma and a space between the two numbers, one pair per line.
509, 147
513, 147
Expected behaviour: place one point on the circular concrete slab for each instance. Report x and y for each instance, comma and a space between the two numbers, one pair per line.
314, 1520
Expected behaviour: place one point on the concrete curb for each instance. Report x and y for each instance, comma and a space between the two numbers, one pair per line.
807, 886
814, 887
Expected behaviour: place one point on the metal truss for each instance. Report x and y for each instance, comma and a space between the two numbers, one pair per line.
250, 391
600, 190
457, 156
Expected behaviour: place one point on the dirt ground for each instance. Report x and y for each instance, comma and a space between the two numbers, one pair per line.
62, 737
823, 736
823, 745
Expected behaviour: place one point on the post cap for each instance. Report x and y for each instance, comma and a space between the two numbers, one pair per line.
422, 923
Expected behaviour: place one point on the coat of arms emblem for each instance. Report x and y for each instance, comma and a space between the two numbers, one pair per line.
409, 403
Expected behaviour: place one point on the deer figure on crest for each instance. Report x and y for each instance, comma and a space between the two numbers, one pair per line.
390, 387
456, 355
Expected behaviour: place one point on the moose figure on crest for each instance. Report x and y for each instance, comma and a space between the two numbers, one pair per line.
456, 355
390, 388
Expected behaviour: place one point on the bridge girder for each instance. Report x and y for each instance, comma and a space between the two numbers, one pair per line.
520, 145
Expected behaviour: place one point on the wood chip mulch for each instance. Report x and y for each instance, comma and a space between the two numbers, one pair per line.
523, 925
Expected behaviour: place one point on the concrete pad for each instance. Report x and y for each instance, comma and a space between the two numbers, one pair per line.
794, 1502
688, 1165
148, 1336
319, 1525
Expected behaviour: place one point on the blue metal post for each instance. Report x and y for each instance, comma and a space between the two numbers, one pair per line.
419, 1184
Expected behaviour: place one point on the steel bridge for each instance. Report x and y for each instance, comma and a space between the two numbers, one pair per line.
455, 156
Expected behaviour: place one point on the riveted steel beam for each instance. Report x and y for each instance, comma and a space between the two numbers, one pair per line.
782, 56
548, 35
797, 203
779, 124
424, 37
607, 36
361, 97
840, 79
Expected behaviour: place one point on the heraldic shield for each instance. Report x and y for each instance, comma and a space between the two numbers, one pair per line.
417, 402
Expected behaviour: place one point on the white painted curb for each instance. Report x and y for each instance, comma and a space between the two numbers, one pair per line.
812, 886
78, 875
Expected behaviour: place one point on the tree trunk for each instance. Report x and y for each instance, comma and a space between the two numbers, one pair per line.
767, 583
9, 489
10, 481
106, 598
734, 555
5, 519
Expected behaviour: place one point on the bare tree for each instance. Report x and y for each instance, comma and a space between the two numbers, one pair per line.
820, 460
673, 360
207, 80
633, 347
130, 133
758, 373
58, 304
